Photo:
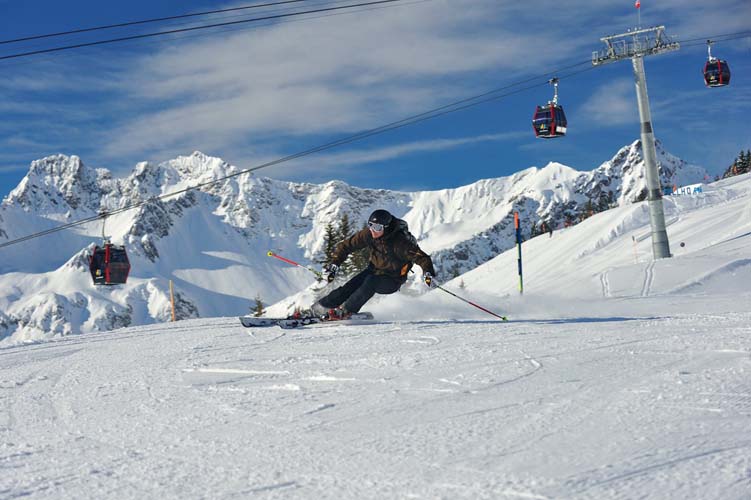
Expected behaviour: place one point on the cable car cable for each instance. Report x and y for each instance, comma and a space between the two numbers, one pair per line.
739, 34
195, 28
217, 18
229, 29
736, 35
145, 21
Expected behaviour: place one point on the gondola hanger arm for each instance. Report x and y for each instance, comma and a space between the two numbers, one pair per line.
103, 215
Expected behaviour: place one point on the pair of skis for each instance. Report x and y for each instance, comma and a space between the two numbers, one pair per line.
288, 323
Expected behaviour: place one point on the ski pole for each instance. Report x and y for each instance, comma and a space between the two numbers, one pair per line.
503, 318
283, 259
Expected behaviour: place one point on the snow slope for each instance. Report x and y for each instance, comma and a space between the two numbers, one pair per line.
616, 378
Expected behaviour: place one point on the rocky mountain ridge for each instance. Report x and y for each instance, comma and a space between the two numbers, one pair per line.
212, 241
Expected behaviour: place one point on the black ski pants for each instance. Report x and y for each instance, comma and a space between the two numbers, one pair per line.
357, 291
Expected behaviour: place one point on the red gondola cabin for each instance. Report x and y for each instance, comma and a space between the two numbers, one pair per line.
716, 73
549, 121
109, 265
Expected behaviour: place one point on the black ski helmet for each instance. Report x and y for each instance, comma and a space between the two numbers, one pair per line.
381, 216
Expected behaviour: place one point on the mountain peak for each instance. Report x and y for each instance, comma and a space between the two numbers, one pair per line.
557, 170
199, 166
59, 183
58, 165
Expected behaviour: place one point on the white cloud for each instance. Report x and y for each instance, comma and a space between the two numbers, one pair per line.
332, 75
689, 18
612, 105
14, 169
331, 162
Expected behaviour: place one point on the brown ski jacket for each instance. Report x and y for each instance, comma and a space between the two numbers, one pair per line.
393, 254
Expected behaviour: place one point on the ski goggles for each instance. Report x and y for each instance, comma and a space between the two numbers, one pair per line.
375, 226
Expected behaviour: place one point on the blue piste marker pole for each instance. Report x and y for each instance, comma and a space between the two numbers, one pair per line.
519, 249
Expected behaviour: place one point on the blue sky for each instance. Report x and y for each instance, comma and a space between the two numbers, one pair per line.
258, 93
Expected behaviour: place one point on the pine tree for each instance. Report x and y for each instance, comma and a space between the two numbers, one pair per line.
360, 258
330, 240
257, 310
746, 162
345, 227
739, 166
345, 231
602, 203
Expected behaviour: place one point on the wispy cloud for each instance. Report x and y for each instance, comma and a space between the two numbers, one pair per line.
349, 73
330, 75
334, 162
611, 105
11, 167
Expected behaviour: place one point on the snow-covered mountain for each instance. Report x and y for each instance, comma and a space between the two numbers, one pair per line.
212, 241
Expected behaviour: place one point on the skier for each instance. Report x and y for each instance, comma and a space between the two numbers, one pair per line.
393, 251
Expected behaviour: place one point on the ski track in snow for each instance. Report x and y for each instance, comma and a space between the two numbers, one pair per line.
649, 276
605, 284
620, 408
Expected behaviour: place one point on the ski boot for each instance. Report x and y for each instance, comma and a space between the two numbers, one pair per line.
337, 314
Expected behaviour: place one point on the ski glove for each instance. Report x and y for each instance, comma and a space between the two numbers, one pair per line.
428, 279
330, 272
